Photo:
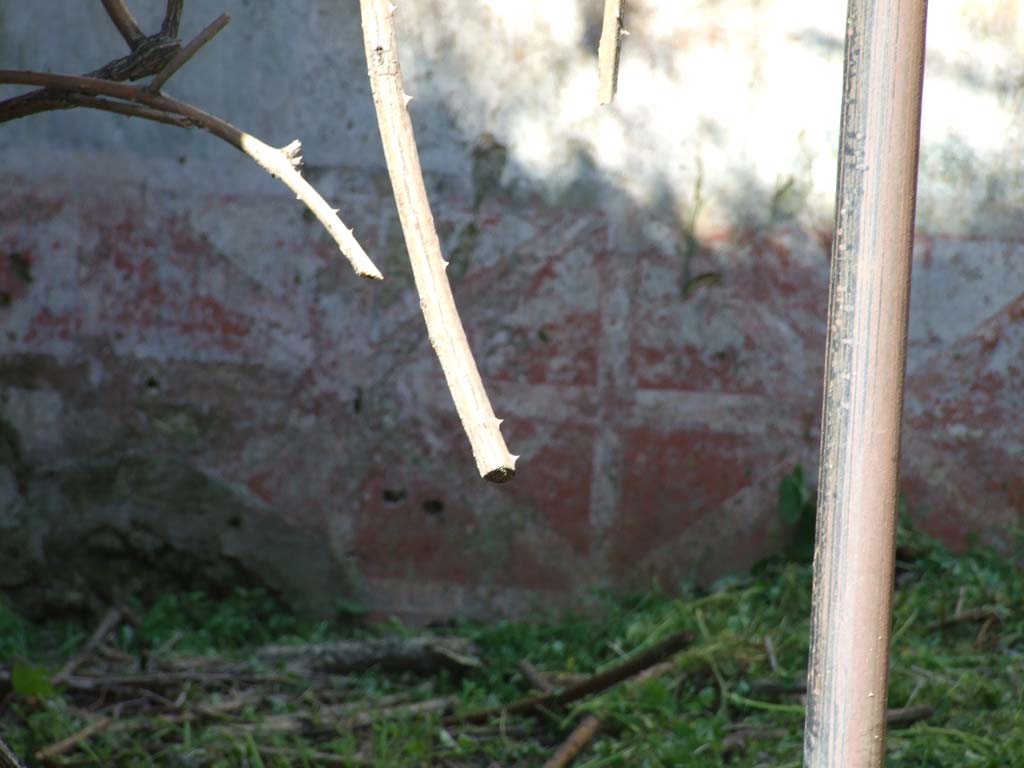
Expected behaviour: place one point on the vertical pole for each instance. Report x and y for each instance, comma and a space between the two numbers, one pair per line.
864, 369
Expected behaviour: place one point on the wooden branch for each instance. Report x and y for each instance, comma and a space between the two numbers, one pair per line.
608, 51
535, 677
904, 716
984, 613
71, 100
124, 21
418, 654
187, 52
66, 745
150, 55
281, 163
7, 757
172, 18
444, 327
109, 621
581, 735
341, 717
591, 685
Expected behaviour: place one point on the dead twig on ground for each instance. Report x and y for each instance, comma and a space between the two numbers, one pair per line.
110, 620
984, 613
581, 735
344, 716
608, 51
417, 654
66, 745
591, 685
7, 757
162, 55
578, 738
444, 326
535, 677
903, 716
306, 756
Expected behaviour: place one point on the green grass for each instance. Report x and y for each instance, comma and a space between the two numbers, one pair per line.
969, 672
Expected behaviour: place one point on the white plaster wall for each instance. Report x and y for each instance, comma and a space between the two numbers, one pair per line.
731, 107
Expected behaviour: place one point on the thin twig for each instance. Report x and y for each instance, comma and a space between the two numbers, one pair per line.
124, 21
66, 745
983, 613
342, 717
7, 757
535, 677
903, 716
167, 679
128, 110
425, 653
306, 756
581, 735
778, 687
591, 685
281, 163
444, 327
188, 51
109, 621
608, 51
769, 648
172, 18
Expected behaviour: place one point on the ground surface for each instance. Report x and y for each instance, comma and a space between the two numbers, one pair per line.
191, 684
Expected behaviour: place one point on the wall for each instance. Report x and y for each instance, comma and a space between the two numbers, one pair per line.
190, 375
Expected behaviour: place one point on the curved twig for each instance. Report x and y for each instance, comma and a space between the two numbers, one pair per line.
444, 327
282, 163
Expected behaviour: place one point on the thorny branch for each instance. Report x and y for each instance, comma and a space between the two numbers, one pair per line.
444, 327
163, 56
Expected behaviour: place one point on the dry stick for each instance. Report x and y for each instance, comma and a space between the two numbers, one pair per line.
535, 677
984, 613
187, 52
149, 55
588, 727
124, 21
281, 163
128, 110
340, 717
444, 327
319, 758
907, 715
608, 51
109, 621
419, 654
66, 745
591, 685
581, 735
7, 757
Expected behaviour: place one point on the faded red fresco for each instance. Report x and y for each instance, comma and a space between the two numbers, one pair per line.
656, 400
